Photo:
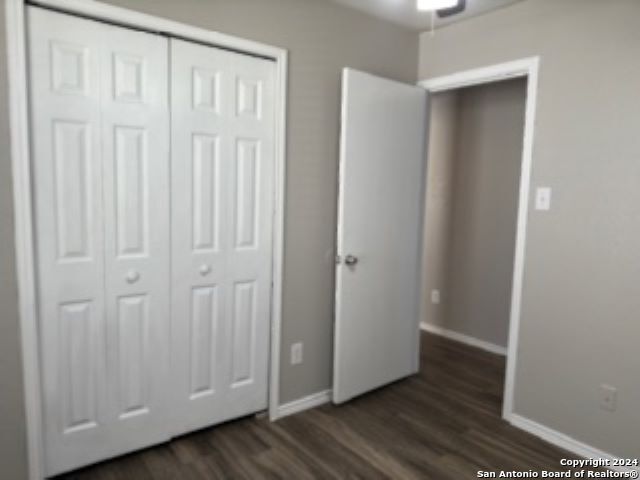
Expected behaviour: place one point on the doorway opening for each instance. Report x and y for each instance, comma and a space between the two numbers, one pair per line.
477, 195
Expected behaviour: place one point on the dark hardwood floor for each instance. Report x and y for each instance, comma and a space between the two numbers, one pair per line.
441, 424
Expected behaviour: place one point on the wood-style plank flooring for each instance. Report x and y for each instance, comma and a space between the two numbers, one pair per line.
441, 424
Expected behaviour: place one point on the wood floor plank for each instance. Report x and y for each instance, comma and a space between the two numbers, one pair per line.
442, 424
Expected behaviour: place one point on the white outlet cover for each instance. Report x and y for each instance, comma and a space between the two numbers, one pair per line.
608, 398
435, 296
543, 198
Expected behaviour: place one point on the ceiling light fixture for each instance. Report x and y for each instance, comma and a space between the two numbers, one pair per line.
433, 5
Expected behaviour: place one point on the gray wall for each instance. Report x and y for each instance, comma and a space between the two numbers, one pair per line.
479, 147
580, 323
13, 455
322, 38
443, 123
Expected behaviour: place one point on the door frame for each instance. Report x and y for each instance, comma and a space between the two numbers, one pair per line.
524, 68
23, 196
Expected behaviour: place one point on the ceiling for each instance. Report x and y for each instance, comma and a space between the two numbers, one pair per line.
404, 12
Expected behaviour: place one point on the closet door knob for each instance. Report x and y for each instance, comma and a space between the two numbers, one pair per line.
205, 269
132, 276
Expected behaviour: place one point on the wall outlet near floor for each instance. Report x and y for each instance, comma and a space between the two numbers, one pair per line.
296, 353
435, 297
608, 398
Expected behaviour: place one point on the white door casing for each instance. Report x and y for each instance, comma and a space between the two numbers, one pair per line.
223, 155
382, 170
100, 145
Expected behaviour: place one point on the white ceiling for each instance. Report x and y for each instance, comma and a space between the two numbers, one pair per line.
404, 12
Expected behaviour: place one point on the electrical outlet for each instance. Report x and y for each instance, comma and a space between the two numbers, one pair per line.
296, 353
608, 398
435, 296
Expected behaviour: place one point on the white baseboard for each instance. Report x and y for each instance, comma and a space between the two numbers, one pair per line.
462, 338
564, 441
305, 403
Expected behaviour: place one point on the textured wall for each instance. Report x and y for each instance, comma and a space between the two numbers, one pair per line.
579, 323
443, 125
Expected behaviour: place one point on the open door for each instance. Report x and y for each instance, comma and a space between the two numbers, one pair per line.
382, 173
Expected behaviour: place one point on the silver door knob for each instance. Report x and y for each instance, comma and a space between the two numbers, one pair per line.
350, 260
132, 276
205, 269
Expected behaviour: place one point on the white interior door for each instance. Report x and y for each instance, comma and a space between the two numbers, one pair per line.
222, 215
100, 139
382, 169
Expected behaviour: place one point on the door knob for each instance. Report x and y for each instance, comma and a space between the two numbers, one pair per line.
350, 260
132, 276
205, 269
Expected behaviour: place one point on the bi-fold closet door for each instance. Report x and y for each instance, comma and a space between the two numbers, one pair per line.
153, 223
222, 215
100, 143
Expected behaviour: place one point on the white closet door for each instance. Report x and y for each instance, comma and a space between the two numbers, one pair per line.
100, 154
136, 163
222, 211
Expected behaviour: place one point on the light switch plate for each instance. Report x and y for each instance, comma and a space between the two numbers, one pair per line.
543, 198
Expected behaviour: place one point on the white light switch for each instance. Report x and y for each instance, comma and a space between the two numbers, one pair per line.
543, 198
